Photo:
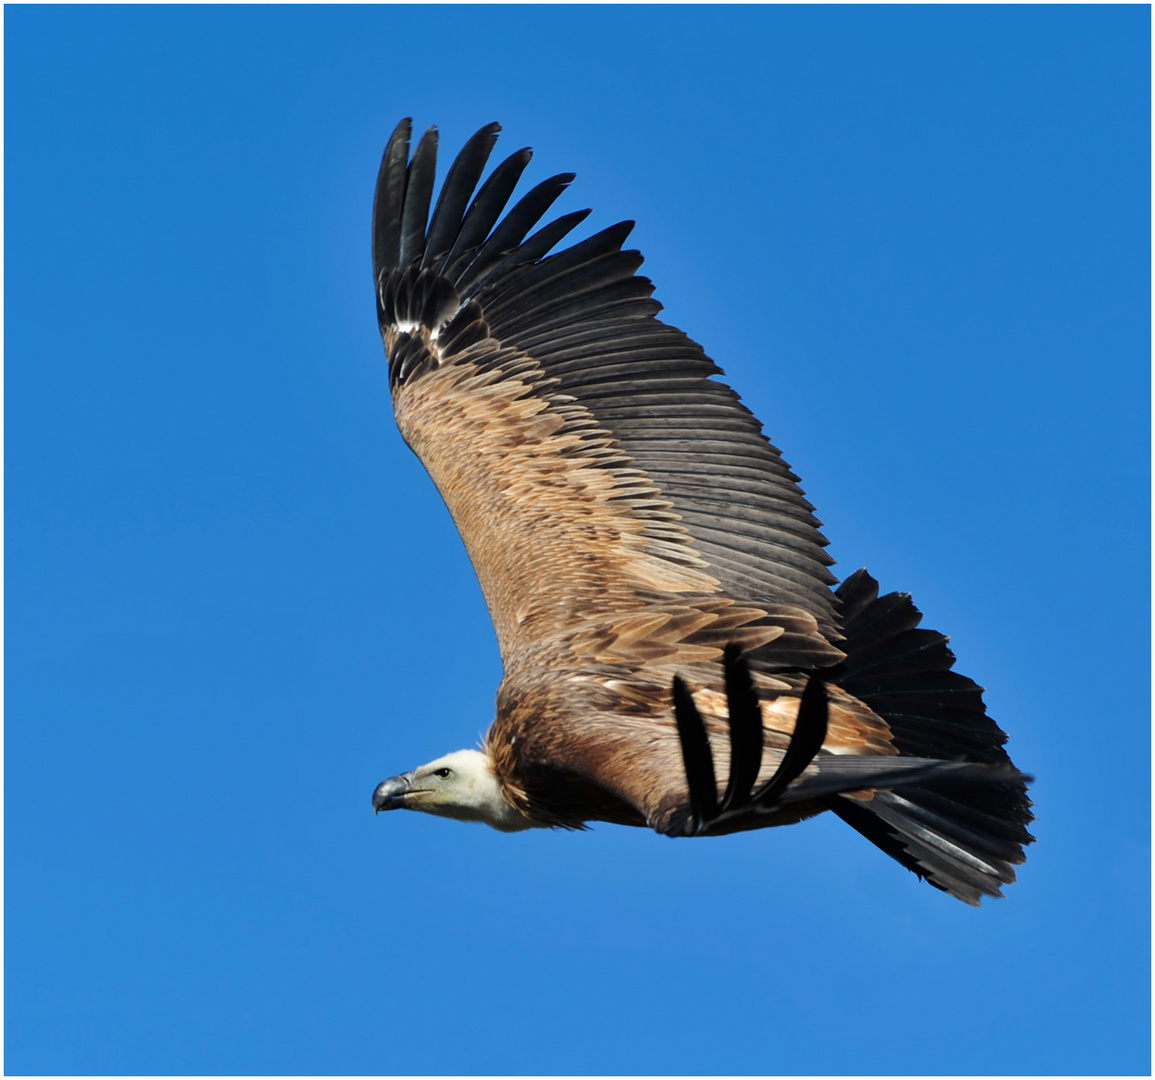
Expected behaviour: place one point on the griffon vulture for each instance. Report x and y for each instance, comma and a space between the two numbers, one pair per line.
675, 651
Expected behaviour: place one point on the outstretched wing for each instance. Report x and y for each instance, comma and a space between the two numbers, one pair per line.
618, 502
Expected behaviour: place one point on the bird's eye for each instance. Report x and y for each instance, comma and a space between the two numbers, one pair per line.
443, 773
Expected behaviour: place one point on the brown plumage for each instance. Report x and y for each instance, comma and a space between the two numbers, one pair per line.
628, 521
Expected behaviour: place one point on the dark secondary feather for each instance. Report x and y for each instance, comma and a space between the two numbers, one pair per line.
589, 322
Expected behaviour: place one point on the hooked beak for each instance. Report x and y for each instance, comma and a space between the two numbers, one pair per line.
390, 794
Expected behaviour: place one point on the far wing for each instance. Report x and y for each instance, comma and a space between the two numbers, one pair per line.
611, 494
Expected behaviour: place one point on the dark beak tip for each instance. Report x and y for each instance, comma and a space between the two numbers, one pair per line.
385, 794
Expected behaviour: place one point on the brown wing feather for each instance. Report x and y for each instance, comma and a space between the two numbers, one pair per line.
559, 527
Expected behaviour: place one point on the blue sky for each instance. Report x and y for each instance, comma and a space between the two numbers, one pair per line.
915, 238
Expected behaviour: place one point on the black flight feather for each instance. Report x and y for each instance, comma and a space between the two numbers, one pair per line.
805, 742
488, 205
546, 284
696, 755
418, 193
514, 228
596, 259
541, 241
459, 186
388, 200
745, 730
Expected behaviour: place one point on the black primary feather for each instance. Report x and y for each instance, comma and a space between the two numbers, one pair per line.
459, 186
543, 240
514, 228
488, 205
696, 756
418, 194
745, 730
388, 200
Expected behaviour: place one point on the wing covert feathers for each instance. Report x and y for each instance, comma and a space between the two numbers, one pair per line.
631, 526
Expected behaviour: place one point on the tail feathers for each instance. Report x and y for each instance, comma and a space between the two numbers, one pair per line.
920, 829
904, 674
962, 833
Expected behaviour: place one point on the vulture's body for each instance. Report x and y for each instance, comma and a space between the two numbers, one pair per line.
628, 522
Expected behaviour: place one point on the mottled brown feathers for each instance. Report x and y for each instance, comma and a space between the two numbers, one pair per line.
613, 725
628, 520
558, 526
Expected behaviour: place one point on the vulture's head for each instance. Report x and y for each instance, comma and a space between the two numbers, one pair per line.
460, 785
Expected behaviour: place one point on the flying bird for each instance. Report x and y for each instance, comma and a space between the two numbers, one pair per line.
677, 653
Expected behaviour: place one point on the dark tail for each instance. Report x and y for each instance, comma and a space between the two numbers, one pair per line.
963, 837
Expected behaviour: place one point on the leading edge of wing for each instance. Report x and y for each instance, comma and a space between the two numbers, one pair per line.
588, 322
